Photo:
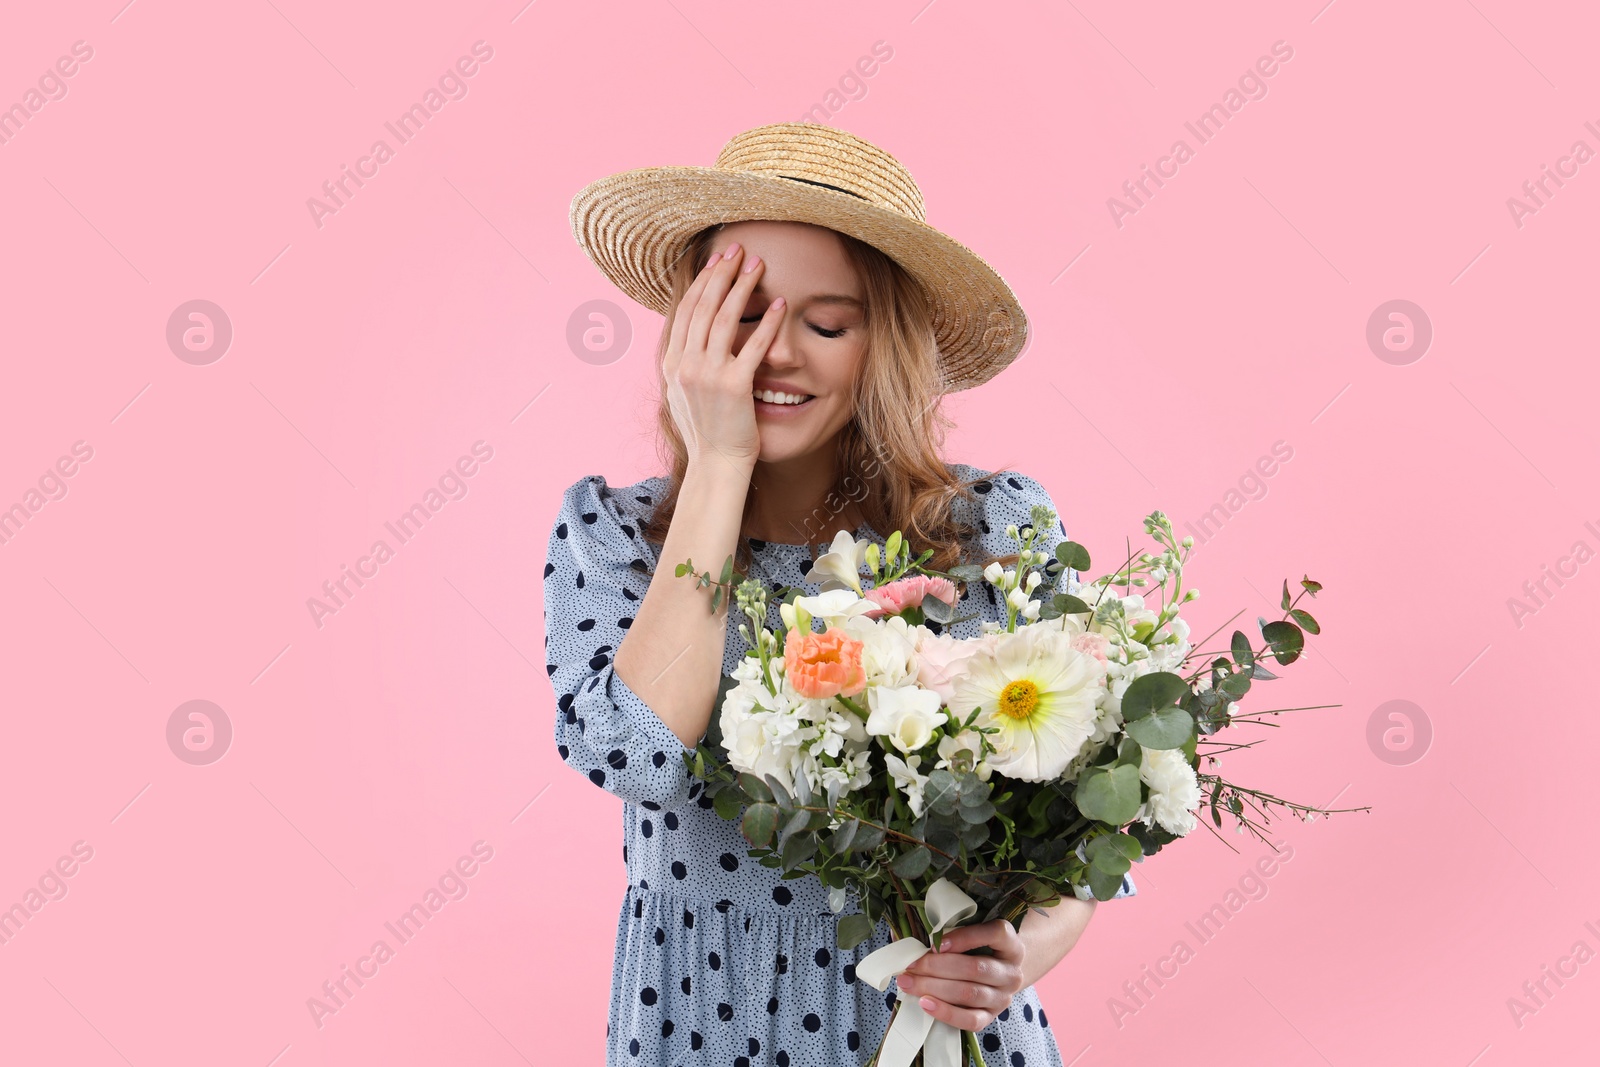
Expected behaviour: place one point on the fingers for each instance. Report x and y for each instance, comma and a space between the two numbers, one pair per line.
999, 935
957, 993
996, 971
685, 311
755, 347
726, 321
957, 1016
721, 276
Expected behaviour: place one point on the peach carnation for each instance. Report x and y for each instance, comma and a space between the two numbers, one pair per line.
824, 665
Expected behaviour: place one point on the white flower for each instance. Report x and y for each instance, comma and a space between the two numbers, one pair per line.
993, 573
906, 715
1040, 692
840, 567
1174, 790
968, 741
889, 648
904, 772
836, 606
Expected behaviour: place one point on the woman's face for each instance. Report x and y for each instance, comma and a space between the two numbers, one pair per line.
819, 345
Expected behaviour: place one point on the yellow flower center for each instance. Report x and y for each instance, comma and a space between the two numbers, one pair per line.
1019, 698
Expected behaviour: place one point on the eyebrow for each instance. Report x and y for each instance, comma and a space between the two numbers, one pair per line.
821, 298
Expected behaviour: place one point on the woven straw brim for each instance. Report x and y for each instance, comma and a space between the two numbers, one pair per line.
635, 225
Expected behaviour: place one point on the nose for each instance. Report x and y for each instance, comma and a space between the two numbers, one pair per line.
783, 352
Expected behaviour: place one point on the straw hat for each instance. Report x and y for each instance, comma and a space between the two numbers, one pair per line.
635, 226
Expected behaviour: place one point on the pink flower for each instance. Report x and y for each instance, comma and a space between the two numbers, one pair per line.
941, 660
909, 592
1094, 644
824, 665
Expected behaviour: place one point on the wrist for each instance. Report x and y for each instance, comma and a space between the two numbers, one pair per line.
719, 474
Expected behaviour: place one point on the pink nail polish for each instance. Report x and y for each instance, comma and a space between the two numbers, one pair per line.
715, 257
732, 249
927, 1004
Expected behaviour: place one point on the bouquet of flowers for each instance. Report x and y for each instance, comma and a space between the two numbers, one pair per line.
947, 780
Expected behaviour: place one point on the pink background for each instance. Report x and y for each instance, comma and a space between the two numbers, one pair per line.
431, 312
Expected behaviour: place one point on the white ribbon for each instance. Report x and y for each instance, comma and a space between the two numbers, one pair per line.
913, 1028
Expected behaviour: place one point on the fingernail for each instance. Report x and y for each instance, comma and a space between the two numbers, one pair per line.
750, 264
778, 303
715, 256
927, 1004
732, 249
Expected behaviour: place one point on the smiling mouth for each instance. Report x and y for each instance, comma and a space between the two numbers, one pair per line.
786, 400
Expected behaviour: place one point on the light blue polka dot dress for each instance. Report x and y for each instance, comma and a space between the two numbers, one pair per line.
719, 960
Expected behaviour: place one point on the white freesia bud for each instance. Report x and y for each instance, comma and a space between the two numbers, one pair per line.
840, 566
1017, 599
1193, 594
1031, 611
1033, 581
1187, 542
992, 573
786, 612
1011, 531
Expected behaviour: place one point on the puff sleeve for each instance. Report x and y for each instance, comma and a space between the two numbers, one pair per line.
1010, 500
595, 575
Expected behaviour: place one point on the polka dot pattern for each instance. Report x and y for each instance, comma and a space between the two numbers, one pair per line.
715, 954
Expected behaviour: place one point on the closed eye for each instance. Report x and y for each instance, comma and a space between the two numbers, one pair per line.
830, 334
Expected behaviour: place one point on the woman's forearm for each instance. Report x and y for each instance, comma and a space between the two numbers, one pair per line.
1049, 936
672, 653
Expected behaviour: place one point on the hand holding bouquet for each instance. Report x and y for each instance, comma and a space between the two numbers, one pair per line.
948, 780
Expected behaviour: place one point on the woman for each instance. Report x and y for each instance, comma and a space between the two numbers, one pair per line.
813, 322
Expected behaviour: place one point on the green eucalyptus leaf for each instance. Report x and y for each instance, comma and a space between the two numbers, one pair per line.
911, 864
780, 794
978, 813
796, 823
802, 789
941, 792
867, 838
1235, 685
843, 837
852, 930
799, 849
755, 788
1102, 884
1305, 620
759, 823
727, 803
1111, 861
1286, 640
1073, 555
1150, 838
1165, 728
1151, 691
1243, 654
1109, 794
1067, 604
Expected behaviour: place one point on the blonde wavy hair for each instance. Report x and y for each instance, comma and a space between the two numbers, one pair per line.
889, 452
